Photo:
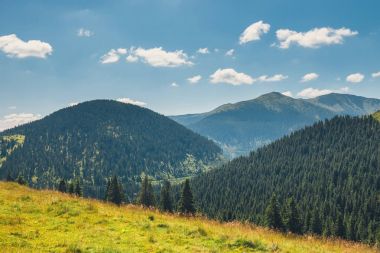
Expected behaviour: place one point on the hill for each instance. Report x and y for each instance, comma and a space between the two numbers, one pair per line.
95, 140
245, 126
47, 221
331, 170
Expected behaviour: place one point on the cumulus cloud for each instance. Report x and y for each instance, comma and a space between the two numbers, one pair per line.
131, 101
17, 119
203, 51
84, 32
12, 46
375, 75
230, 52
132, 58
194, 79
230, 76
275, 78
113, 55
314, 38
312, 92
157, 57
174, 84
287, 93
254, 32
309, 77
355, 78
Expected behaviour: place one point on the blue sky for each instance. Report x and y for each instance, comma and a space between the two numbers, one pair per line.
80, 52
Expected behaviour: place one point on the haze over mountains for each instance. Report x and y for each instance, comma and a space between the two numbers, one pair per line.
94, 140
244, 126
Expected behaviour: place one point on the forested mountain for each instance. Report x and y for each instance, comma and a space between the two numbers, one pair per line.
330, 169
244, 126
95, 140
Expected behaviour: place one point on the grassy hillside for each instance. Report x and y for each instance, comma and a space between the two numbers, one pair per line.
60, 223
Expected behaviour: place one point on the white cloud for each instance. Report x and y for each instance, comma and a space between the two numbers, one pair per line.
203, 51
113, 55
309, 77
311, 92
254, 32
131, 101
73, 104
230, 52
194, 79
132, 58
12, 107
230, 76
17, 119
275, 78
314, 38
375, 75
12, 46
157, 57
174, 84
355, 78
287, 93
84, 32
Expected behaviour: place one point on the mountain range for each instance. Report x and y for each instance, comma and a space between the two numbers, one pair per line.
94, 140
241, 127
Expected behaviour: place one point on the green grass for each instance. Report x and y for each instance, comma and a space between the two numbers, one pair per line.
47, 221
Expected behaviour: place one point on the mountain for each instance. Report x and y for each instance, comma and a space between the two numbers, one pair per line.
245, 126
95, 140
48, 221
331, 169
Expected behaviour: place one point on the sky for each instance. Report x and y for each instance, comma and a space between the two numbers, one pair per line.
178, 57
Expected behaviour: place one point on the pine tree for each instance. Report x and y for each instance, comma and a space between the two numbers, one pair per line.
107, 193
339, 226
272, 214
62, 186
146, 195
78, 188
114, 191
9, 177
291, 217
165, 198
186, 202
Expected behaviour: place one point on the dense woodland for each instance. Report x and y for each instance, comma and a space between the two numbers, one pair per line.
325, 177
94, 140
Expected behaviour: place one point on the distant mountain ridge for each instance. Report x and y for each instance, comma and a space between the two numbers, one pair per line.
247, 125
97, 139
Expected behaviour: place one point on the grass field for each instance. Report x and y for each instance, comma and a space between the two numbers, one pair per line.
47, 221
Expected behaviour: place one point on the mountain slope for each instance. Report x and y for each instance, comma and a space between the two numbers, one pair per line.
331, 169
47, 221
96, 139
244, 126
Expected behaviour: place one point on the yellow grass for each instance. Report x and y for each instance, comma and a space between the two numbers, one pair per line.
47, 221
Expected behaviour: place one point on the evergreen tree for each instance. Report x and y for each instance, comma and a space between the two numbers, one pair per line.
20, 180
165, 198
78, 188
114, 191
315, 223
107, 193
146, 195
339, 226
186, 202
273, 217
291, 217
71, 187
62, 186
9, 177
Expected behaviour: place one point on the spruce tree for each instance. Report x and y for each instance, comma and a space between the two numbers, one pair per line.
186, 202
107, 193
165, 197
272, 214
9, 177
20, 180
114, 191
291, 217
70, 189
62, 186
315, 223
146, 195
78, 188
